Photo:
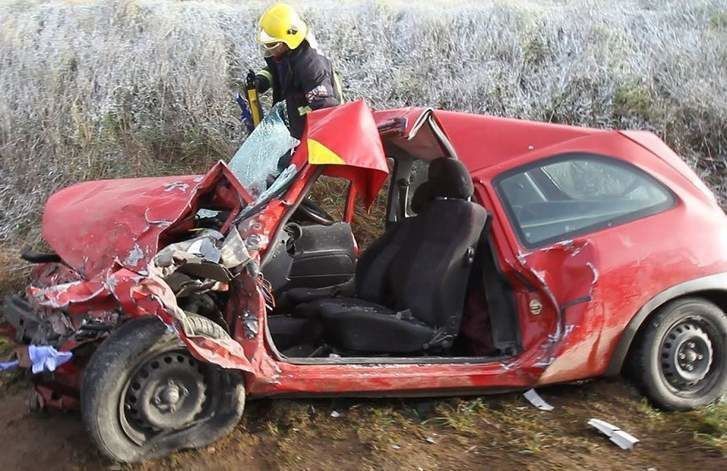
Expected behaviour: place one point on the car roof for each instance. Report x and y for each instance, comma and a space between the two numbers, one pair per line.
486, 141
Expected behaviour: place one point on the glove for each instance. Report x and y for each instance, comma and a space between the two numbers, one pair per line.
251, 76
253, 80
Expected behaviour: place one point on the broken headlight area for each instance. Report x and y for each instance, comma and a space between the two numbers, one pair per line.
184, 282
34, 324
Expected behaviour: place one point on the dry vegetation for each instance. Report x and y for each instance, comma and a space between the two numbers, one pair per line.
144, 87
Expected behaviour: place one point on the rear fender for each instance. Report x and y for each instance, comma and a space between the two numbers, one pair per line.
713, 283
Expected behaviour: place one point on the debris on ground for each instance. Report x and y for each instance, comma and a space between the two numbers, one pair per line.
534, 398
40, 357
625, 440
335, 414
46, 358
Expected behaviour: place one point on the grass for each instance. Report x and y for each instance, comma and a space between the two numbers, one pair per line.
708, 425
711, 426
104, 89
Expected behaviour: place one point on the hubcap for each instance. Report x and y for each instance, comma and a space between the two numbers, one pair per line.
165, 393
686, 355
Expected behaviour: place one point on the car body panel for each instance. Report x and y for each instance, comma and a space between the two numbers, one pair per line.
93, 225
636, 261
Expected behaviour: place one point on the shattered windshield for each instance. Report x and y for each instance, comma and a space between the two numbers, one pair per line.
262, 163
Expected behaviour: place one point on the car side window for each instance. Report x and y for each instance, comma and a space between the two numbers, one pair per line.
577, 193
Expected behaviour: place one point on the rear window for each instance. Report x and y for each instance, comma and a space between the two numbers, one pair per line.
577, 193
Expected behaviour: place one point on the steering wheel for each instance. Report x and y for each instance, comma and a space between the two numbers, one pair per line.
315, 213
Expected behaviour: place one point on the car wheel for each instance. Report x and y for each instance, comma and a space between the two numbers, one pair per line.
680, 360
143, 395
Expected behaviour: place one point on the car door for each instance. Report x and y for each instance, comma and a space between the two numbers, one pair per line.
568, 213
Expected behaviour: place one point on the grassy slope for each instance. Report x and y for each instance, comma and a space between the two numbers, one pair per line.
112, 88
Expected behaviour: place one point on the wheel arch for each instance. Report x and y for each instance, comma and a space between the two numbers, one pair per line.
712, 288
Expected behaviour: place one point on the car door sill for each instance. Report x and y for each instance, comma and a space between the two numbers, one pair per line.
393, 360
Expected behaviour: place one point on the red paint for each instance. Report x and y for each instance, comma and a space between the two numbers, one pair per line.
589, 288
358, 146
95, 225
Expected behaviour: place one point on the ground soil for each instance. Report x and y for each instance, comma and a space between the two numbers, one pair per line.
495, 432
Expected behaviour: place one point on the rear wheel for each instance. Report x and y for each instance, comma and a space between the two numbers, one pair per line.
680, 361
144, 396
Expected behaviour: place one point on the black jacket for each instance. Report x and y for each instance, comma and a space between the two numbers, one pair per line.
304, 79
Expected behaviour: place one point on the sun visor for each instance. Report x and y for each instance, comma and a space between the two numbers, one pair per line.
346, 140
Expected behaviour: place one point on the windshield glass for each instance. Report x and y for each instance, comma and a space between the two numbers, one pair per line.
262, 163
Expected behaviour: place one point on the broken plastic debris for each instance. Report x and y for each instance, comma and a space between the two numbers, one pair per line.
8, 365
534, 398
233, 252
46, 358
335, 414
625, 440
430, 440
195, 249
205, 249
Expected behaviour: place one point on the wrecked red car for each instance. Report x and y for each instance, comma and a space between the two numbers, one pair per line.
515, 254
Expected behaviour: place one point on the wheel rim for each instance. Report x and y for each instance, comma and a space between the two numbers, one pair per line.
688, 357
165, 393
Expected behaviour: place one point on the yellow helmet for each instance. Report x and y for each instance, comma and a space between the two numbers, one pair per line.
280, 23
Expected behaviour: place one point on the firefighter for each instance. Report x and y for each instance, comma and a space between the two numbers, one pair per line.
296, 70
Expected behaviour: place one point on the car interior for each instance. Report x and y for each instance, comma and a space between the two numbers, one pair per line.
428, 287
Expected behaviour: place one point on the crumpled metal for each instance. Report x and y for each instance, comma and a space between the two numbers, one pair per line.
234, 252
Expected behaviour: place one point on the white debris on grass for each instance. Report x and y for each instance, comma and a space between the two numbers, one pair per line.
534, 398
625, 440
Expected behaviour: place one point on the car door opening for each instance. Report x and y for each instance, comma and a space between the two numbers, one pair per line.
428, 290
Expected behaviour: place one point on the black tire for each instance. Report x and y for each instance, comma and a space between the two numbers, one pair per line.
199, 325
119, 359
680, 358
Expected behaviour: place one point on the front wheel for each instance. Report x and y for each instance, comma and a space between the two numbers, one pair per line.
680, 360
144, 396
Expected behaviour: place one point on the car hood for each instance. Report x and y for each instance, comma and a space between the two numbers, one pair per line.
94, 225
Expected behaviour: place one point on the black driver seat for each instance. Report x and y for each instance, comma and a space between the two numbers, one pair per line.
410, 284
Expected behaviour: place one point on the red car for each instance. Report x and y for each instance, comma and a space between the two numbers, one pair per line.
515, 254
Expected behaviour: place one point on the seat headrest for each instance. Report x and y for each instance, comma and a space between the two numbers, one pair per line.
447, 178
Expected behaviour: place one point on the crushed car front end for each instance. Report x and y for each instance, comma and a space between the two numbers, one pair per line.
179, 248
167, 259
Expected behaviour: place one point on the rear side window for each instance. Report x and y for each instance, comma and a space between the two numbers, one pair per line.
575, 194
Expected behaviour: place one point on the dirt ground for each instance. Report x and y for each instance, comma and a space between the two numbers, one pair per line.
493, 432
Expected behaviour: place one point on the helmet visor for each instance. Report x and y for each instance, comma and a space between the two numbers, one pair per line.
264, 38
272, 49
